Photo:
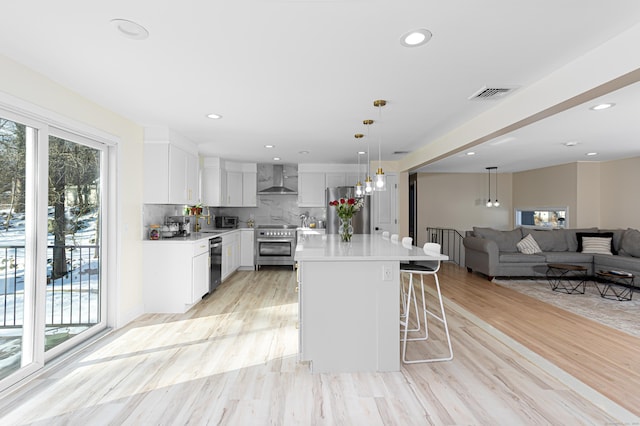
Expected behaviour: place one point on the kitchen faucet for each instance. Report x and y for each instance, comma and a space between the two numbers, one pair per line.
304, 220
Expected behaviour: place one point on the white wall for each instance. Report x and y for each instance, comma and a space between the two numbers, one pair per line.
619, 194
458, 201
20, 82
597, 194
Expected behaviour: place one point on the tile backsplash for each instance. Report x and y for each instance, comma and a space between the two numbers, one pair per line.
271, 209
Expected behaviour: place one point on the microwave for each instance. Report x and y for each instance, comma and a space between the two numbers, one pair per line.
226, 221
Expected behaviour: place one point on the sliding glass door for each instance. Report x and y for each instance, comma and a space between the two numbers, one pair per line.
52, 254
73, 296
13, 243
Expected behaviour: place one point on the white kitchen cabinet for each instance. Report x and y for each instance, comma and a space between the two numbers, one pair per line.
228, 184
334, 179
212, 182
200, 271
170, 174
247, 260
311, 189
249, 189
234, 189
230, 253
175, 275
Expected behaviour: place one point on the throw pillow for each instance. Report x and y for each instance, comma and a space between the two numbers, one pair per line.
548, 240
596, 245
581, 235
506, 240
630, 244
528, 245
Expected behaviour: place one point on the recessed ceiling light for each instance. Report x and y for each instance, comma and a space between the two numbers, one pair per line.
415, 38
276, 158
571, 143
361, 153
591, 154
130, 29
303, 152
214, 116
269, 146
602, 106
470, 153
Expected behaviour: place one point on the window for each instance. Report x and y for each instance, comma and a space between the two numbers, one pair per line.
547, 218
53, 240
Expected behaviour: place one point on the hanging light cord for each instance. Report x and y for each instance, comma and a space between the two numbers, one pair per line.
380, 136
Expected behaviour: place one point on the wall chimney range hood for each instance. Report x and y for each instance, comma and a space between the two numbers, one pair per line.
278, 186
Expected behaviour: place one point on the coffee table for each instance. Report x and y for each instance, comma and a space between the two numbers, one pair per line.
615, 285
563, 277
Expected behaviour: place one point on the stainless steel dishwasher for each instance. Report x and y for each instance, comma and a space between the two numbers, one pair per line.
215, 256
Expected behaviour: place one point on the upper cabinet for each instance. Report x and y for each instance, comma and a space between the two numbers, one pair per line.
314, 179
311, 189
170, 168
228, 183
170, 174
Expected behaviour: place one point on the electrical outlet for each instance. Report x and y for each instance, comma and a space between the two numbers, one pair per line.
386, 273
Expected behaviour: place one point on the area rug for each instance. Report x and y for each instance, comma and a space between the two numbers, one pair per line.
621, 315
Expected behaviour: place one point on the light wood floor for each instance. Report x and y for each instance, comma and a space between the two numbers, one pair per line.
233, 360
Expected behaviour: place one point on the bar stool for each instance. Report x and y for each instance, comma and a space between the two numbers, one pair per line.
394, 238
385, 234
408, 243
422, 269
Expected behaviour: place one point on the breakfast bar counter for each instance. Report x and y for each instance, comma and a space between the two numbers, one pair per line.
349, 297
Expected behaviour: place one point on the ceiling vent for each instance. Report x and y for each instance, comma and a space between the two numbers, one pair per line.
491, 93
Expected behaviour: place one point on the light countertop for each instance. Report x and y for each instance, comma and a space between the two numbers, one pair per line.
197, 236
363, 247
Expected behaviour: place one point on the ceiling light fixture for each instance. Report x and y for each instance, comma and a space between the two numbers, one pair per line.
381, 180
359, 187
130, 29
571, 143
600, 107
269, 146
214, 116
489, 203
368, 183
276, 158
303, 152
416, 38
470, 153
591, 154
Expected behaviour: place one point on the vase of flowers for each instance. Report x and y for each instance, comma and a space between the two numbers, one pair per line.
346, 208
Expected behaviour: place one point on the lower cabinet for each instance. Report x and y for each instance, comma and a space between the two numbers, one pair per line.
175, 275
230, 253
247, 257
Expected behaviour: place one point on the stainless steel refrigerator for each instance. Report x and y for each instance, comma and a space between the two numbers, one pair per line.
361, 220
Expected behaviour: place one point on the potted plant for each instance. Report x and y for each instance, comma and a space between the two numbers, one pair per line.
196, 209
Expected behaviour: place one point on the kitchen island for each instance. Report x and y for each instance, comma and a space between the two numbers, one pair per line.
349, 297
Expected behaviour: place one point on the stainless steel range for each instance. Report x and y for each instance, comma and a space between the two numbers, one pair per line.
275, 245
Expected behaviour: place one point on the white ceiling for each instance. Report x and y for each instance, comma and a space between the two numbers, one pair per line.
303, 74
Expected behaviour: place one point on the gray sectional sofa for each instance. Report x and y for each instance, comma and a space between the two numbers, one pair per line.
495, 253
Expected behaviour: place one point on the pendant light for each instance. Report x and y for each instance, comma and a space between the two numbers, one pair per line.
496, 203
368, 183
489, 203
359, 187
381, 181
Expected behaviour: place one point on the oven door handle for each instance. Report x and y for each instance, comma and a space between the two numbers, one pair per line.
270, 240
